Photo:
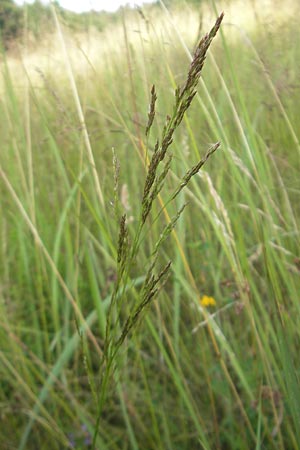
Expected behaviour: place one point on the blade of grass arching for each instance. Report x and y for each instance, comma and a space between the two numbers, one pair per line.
62, 361
47, 256
27, 390
35, 366
79, 110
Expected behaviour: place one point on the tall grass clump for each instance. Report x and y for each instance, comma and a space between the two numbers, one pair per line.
145, 303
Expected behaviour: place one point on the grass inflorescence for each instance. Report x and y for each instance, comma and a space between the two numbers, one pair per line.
128, 252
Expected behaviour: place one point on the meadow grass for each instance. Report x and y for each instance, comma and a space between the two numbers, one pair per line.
146, 304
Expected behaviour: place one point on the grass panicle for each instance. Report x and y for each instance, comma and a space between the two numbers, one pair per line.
154, 182
183, 100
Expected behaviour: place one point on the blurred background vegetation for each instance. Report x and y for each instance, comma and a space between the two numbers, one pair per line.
38, 17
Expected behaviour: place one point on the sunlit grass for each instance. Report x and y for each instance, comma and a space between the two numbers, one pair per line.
213, 364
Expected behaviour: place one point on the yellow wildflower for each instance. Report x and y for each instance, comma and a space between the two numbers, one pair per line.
207, 301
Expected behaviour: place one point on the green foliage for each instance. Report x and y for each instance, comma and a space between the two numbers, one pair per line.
36, 17
39, 18
96, 326
10, 21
